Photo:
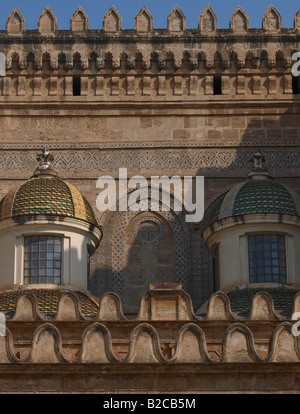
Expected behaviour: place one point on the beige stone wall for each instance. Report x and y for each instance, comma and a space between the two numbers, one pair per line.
149, 102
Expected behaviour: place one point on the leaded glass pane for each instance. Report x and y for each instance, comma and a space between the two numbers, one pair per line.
267, 258
41, 264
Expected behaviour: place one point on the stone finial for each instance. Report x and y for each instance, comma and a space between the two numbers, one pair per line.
143, 20
15, 23
258, 161
239, 21
207, 20
176, 20
79, 21
297, 20
47, 22
112, 21
45, 159
272, 20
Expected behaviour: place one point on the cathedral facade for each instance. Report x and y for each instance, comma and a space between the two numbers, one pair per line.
223, 104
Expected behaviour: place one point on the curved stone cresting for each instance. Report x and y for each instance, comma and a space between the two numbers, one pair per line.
296, 304
144, 346
284, 346
110, 308
262, 308
238, 345
27, 309
46, 346
68, 308
96, 347
219, 307
7, 353
191, 345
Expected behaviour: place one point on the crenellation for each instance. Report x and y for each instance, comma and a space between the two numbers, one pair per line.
15, 23
143, 21
112, 21
239, 21
176, 20
272, 20
47, 22
79, 21
297, 21
207, 21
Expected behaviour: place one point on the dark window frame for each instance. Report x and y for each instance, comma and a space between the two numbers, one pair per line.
296, 85
76, 86
217, 84
267, 259
43, 259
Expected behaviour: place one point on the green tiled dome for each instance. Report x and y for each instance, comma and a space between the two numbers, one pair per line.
46, 196
241, 300
255, 196
264, 196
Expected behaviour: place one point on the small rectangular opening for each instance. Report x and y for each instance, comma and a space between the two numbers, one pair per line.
76, 86
296, 85
217, 85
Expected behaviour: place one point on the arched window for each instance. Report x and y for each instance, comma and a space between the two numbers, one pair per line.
42, 259
267, 258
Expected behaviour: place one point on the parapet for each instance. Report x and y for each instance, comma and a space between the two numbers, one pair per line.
141, 62
143, 22
167, 347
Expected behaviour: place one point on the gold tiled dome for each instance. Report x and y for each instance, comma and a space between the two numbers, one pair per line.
46, 194
47, 300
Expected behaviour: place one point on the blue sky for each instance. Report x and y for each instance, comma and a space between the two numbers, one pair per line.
95, 9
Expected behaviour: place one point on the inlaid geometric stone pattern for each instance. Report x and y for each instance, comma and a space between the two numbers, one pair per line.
148, 231
108, 267
211, 162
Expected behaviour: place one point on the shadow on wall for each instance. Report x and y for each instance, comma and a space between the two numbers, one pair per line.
140, 248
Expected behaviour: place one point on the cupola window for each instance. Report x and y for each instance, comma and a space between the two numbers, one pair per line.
267, 258
42, 259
